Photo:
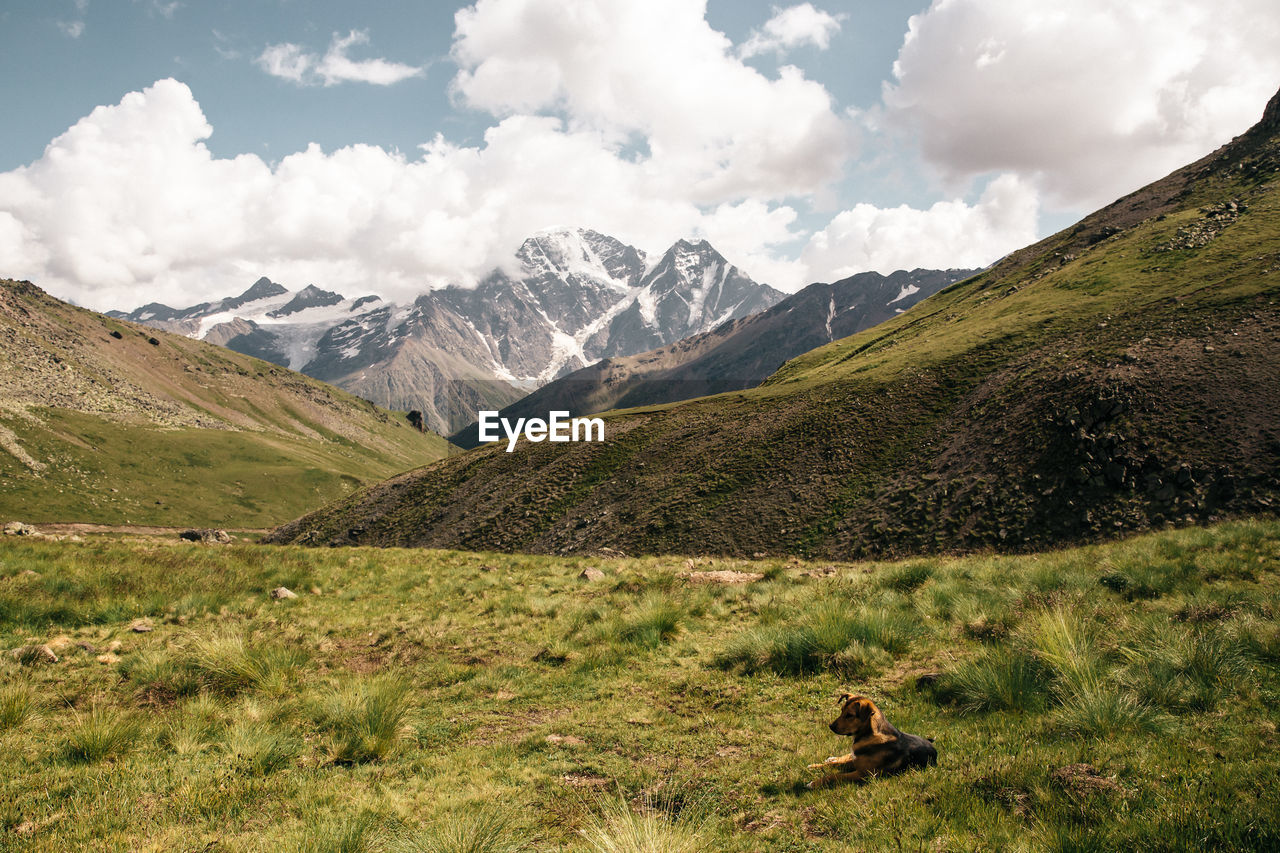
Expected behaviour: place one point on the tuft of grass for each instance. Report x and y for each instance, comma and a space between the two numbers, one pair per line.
226, 663
1258, 639
101, 733
1066, 644
197, 726
159, 679
655, 621
364, 720
486, 831
996, 680
1183, 668
1100, 713
17, 704
259, 749
828, 636
348, 835
908, 577
617, 827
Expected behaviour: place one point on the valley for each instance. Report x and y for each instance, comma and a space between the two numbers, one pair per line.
1107, 697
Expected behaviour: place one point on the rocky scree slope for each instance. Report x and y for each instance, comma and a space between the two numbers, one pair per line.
1119, 375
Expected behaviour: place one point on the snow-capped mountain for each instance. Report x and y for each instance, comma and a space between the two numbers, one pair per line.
580, 296
734, 355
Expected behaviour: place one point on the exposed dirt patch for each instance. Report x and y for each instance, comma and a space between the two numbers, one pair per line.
1083, 779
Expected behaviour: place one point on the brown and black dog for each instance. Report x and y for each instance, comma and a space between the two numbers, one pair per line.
878, 749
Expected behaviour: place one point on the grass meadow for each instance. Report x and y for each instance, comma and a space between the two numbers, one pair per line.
1108, 697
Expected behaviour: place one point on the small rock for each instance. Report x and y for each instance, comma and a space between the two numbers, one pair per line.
282, 592
927, 680
591, 573
824, 572
140, 626
108, 658
17, 528
315, 590
610, 552
488, 568
209, 536
1208, 348
34, 655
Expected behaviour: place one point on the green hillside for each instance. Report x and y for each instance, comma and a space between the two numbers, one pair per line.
105, 421
1120, 375
1114, 697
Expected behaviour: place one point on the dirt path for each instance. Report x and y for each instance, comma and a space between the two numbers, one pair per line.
81, 528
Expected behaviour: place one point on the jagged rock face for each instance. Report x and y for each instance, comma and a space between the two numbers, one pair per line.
1271, 115
309, 297
692, 289
581, 296
738, 354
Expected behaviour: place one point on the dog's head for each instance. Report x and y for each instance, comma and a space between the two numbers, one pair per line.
859, 718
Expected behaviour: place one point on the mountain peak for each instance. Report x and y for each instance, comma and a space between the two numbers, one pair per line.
1271, 115
261, 289
309, 297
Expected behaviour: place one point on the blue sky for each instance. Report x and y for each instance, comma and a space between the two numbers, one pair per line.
180, 149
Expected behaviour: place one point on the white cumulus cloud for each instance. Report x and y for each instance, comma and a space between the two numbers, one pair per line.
715, 128
948, 234
129, 206
292, 62
790, 28
1089, 99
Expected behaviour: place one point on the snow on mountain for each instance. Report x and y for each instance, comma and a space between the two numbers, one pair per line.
579, 296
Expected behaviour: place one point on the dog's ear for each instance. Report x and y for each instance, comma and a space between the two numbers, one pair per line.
865, 709
844, 697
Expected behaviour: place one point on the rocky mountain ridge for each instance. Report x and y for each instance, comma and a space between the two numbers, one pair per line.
737, 354
579, 296
1118, 376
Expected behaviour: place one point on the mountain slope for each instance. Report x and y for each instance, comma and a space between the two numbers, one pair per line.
573, 296
103, 420
738, 354
1119, 375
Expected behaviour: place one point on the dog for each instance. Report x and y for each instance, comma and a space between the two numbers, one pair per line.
878, 749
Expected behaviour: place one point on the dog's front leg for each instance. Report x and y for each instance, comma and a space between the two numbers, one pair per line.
835, 759
837, 778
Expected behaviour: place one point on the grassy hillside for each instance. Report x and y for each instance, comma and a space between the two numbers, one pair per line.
1120, 375
737, 354
106, 421
1111, 697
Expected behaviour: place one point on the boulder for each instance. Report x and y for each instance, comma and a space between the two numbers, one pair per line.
591, 573
209, 536
280, 593
17, 528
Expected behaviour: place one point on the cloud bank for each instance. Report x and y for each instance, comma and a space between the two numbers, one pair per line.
1090, 99
641, 121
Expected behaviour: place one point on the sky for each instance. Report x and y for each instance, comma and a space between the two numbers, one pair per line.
175, 151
